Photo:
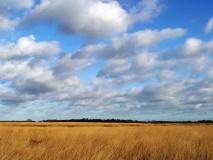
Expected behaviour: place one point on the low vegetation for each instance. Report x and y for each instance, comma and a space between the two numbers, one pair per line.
105, 141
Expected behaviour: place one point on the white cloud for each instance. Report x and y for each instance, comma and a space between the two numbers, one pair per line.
37, 82
193, 58
36, 79
7, 24
10, 5
14, 70
145, 60
10, 15
209, 26
10, 97
195, 46
27, 46
149, 38
124, 70
94, 17
192, 45
25, 79
166, 74
66, 66
146, 10
24, 4
127, 44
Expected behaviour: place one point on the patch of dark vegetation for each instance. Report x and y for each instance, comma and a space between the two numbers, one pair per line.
113, 121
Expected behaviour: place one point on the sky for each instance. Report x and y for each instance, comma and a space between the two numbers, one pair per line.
138, 59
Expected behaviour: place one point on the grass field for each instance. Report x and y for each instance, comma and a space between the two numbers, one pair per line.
105, 141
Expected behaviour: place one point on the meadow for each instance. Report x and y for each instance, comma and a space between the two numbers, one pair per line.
105, 141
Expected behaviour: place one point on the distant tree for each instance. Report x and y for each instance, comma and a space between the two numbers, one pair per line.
29, 120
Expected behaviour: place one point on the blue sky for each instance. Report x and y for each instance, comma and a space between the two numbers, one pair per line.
138, 59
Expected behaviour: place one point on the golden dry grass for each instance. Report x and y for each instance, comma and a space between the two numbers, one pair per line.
102, 141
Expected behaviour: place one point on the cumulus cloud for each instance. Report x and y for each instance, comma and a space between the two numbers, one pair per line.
94, 18
127, 44
209, 26
166, 74
123, 70
194, 52
28, 81
195, 46
149, 38
25, 78
7, 24
147, 9
9, 97
66, 66
38, 80
27, 46
193, 58
10, 5
8, 9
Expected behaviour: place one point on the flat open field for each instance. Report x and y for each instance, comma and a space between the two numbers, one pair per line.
105, 141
